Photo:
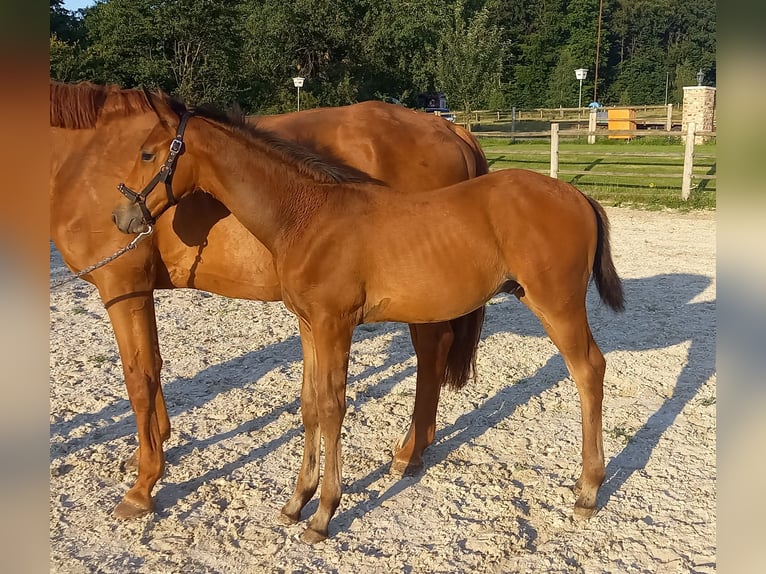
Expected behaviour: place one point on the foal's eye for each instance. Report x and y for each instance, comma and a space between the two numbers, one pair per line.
147, 156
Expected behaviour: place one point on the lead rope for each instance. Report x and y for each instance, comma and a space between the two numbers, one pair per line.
136, 240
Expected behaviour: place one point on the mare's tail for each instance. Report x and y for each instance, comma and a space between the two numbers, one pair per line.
461, 358
604, 274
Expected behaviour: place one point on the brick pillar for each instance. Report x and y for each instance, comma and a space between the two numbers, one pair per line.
699, 107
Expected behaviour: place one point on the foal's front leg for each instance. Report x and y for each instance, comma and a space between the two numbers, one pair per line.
332, 344
308, 478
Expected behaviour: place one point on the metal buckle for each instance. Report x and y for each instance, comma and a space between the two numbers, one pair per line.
176, 145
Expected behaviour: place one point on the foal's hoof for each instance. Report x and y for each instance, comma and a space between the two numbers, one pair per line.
288, 519
311, 536
130, 510
584, 512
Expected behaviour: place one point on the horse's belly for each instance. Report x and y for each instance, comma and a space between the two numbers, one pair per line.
415, 301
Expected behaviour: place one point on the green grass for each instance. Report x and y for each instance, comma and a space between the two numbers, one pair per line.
655, 180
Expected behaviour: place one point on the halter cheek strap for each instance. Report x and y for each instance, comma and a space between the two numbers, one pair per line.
165, 175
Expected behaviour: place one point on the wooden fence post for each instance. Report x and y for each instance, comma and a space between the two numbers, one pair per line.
592, 126
669, 118
554, 151
513, 123
686, 182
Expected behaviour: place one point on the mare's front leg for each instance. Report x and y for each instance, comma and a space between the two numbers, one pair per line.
332, 345
135, 329
432, 343
308, 478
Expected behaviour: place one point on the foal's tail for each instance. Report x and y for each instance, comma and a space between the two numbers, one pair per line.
461, 358
604, 274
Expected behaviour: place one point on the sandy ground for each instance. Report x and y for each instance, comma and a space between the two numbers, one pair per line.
495, 493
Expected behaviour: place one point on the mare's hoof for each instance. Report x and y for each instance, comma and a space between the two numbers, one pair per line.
406, 467
129, 510
311, 536
577, 488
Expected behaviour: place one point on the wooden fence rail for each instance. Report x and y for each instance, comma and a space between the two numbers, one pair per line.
665, 116
555, 134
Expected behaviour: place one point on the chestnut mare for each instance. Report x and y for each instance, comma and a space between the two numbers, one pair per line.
95, 131
351, 252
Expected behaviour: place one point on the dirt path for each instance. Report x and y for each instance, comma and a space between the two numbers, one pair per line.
495, 494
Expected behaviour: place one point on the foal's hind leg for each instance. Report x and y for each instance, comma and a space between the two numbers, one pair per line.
308, 477
569, 331
432, 343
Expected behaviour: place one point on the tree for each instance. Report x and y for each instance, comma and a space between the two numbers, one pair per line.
497, 53
67, 36
470, 59
400, 40
564, 88
316, 39
65, 25
189, 48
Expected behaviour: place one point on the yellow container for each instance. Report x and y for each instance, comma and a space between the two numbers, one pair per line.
621, 120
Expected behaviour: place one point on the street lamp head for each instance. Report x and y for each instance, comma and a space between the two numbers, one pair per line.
700, 77
298, 82
581, 73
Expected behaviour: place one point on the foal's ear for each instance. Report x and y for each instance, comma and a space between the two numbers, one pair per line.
162, 105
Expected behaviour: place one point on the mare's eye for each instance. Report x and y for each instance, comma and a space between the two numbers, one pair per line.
147, 156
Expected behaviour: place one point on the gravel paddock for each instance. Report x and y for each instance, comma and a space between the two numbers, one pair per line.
495, 494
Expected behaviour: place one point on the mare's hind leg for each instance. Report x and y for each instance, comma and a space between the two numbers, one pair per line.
432, 343
135, 329
569, 331
308, 477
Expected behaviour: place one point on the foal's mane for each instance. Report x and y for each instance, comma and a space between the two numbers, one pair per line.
79, 106
321, 168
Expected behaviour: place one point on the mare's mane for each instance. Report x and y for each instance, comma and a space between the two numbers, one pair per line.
79, 106
321, 168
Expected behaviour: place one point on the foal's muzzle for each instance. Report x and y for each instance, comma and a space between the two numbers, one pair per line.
165, 175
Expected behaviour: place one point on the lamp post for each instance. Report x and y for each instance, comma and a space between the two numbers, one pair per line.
580, 74
298, 83
700, 77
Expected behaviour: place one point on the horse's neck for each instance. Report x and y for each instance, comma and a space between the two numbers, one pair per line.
264, 191
65, 142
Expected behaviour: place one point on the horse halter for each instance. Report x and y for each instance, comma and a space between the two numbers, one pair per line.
165, 175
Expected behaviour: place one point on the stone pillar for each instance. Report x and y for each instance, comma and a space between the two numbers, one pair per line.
699, 107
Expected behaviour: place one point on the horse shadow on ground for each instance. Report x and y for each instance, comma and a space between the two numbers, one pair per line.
237, 373
660, 312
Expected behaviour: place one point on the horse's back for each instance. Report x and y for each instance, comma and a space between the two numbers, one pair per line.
406, 149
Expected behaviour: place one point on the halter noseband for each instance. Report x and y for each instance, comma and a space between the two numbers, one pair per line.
165, 175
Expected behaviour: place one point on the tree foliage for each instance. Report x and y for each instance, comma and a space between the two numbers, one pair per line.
470, 58
481, 53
